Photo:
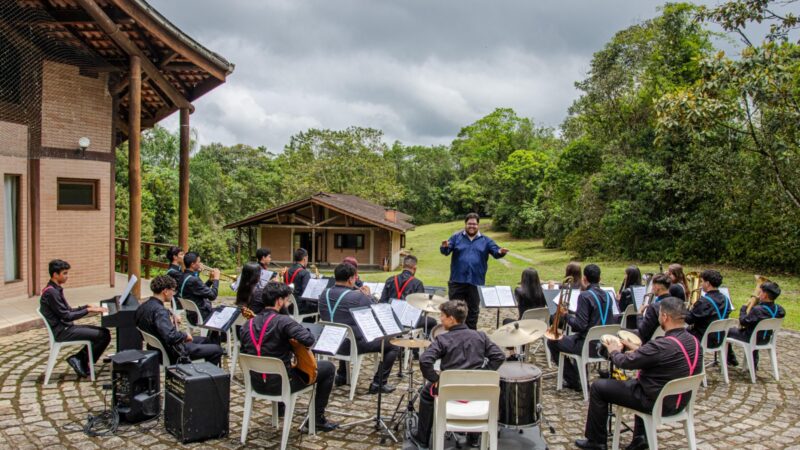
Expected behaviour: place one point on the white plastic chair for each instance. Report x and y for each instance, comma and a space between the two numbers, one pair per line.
653, 420
191, 306
234, 354
296, 311
584, 359
154, 342
481, 391
55, 349
178, 312
718, 326
354, 360
274, 367
542, 314
630, 310
765, 325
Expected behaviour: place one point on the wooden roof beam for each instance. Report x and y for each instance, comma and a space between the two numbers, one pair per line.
122, 40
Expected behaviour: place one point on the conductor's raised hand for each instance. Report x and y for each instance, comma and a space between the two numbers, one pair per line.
445, 243
503, 251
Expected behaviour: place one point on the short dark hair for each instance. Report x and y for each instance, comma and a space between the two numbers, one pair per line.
410, 261
189, 258
456, 309
592, 273
344, 272
713, 277
673, 307
273, 291
57, 266
771, 289
161, 282
663, 280
172, 252
472, 215
299, 254
262, 252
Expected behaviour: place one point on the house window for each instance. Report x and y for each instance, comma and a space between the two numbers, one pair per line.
78, 194
402, 241
351, 241
11, 227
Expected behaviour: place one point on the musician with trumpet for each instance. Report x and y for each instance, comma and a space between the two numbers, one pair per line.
297, 277
708, 307
191, 287
761, 306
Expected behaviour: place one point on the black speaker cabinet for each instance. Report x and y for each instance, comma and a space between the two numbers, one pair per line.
136, 385
197, 402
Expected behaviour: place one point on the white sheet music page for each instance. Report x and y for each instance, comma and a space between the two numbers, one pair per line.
314, 288
330, 340
266, 275
219, 319
383, 311
573, 300
490, 297
506, 296
378, 291
367, 324
638, 296
408, 315
127, 290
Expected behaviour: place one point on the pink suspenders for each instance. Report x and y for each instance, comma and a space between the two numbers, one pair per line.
692, 365
260, 338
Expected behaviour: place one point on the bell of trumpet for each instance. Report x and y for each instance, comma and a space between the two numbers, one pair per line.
553, 333
208, 270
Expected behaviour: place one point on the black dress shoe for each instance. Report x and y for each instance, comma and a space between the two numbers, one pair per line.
589, 445
340, 381
733, 362
638, 443
473, 439
374, 388
77, 366
324, 425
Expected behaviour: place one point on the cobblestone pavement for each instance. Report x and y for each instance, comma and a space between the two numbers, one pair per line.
741, 415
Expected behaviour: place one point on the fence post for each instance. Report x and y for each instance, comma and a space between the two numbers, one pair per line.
146, 261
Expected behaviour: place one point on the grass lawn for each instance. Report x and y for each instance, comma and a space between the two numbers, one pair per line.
434, 268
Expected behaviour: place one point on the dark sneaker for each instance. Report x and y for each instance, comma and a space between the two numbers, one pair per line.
77, 366
374, 388
324, 425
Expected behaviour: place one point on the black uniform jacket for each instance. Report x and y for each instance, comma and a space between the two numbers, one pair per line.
757, 314
154, 318
461, 348
703, 312
402, 281
588, 314
193, 288
299, 276
56, 310
351, 298
276, 337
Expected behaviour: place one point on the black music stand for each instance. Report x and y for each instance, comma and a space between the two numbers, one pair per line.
496, 301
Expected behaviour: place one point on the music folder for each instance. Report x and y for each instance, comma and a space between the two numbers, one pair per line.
551, 298
497, 296
638, 295
376, 321
222, 318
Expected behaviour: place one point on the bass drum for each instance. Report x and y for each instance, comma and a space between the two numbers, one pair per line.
520, 395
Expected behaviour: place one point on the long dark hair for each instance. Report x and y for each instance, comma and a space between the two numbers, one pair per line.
531, 289
573, 270
251, 274
633, 277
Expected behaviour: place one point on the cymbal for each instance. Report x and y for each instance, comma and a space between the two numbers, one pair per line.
428, 303
410, 343
517, 333
626, 335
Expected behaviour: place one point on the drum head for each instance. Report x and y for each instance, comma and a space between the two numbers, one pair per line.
517, 372
630, 337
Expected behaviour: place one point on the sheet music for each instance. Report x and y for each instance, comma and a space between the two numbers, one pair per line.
547, 286
506, 296
315, 287
266, 275
551, 297
724, 291
219, 319
386, 318
367, 324
573, 300
330, 340
128, 289
638, 295
490, 297
613, 293
406, 313
378, 291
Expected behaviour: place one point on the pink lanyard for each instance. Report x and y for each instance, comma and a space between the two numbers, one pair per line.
692, 365
260, 338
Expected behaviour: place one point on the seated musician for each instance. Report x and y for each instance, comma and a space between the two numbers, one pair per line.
268, 334
633, 277
594, 308
298, 275
175, 256
404, 283
154, 318
334, 306
248, 292
648, 322
529, 294
358, 284
711, 306
674, 356
191, 287
60, 316
459, 348
680, 286
766, 308
573, 270
264, 258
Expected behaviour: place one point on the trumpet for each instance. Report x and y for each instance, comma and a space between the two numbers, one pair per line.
316, 271
753, 300
648, 298
281, 271
693, 278
553, 333
208, 270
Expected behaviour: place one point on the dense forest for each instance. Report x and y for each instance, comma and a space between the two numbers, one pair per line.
674, 151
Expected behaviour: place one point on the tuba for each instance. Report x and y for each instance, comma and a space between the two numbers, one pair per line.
753, 300
553, 333
693, 278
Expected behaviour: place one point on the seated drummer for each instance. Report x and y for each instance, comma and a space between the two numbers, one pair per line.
676, 355
459, 348
191, 287
335, 304
648, 322
404, 283
766, 308
268, 334
594, 308
154, 318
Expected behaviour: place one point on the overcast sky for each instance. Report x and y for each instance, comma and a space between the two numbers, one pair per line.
417, 69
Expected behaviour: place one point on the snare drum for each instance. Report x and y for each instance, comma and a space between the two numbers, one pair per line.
520, 395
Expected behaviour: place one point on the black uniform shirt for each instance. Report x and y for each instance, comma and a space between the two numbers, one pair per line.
55, 308
350, 298
176, 273
276, 337
461, 348
677, 290
402, 281
704, 312
649, 322
299, 276
588, 314
770, 310
193, 288
154, 318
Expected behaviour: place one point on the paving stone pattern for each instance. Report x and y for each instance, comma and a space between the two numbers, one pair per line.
739, 416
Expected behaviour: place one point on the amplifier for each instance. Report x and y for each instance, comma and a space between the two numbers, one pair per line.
136, 385
197, 401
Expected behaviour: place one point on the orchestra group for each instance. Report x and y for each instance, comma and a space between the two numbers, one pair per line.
670, 325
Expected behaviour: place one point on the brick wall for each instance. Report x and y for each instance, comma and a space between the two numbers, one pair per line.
80, 237
279, 241
16, 166
74, 106
13, 139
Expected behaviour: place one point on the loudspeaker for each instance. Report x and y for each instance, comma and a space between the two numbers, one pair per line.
197, 402
136, 385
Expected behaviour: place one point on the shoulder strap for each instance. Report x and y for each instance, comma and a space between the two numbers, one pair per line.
48, 287
185, 279
771, 312
720, 314
603, 315
692, 364
260, 337
296, 271
333, 308
398, 289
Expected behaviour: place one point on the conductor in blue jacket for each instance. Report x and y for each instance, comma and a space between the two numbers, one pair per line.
468, 265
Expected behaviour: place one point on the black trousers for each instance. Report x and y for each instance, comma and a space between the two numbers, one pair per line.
568, 344
99, 337
390, 353
204, 348
425, 416
468, 293
272, 386
739, 335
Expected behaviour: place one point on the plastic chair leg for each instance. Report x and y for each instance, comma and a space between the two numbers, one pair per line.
275, 414
773, 357
650, 430
547, 354
287, 422
493, 432
312, 412
91, 361
248, 405
582, 367
724, 358
688, 426
485, 441
51, 362
354, 377
751, 365
560, 379
617, 426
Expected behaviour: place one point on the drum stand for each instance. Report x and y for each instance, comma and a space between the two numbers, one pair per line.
408, 417
611, 415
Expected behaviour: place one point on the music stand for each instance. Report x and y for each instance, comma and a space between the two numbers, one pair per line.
497, 297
